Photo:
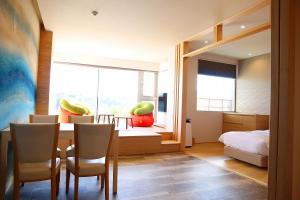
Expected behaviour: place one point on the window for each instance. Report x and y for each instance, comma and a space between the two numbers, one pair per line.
215, 93
215, 86
118, 90
102, 90
75, 83
148, 84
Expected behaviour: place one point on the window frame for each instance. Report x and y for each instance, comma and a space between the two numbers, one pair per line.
235, 94
139, 97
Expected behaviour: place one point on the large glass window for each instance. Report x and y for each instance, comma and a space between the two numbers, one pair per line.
148, 84
118, 90
215, 93
102, 90
76, 83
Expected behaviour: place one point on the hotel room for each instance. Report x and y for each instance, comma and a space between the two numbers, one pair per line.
149, 99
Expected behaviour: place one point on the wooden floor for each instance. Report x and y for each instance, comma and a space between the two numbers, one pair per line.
175, 176
213, 153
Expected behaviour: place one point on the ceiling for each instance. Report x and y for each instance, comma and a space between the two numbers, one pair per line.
248, 47
131, 29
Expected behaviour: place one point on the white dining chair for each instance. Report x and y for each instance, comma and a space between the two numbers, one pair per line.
81, 119
33, 118
34, 149
92, 147
43, 118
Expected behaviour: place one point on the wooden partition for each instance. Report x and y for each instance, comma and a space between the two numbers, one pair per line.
181, 72
182, 55
284, 170
43, 76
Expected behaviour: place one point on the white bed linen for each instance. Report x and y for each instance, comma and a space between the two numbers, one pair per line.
250, 141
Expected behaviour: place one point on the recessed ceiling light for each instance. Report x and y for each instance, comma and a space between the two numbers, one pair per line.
206, 42
243, 26
250, 54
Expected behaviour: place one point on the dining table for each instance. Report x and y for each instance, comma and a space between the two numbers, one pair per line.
66, 131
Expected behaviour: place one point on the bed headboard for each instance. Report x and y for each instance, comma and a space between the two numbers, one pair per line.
244, 122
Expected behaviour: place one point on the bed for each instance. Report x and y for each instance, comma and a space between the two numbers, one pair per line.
248, 146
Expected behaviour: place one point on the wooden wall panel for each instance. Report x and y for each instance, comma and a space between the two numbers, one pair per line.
284, 178
43, 76
180, 97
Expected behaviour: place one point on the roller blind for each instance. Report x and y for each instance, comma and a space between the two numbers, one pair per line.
211, 68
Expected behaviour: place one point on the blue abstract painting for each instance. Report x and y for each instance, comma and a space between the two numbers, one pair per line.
19, 39
17, 88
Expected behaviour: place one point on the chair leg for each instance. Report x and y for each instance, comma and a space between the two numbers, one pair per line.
53, 187
102, 181
67, 180
22, 184
16, 189
76, 183
107, 181
57, 182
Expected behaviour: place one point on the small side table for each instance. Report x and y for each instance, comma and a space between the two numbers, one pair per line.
104, 118
127, 118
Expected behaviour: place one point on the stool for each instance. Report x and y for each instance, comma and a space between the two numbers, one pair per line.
104, 117
127, 118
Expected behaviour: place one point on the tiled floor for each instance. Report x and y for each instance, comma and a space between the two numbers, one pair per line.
161, 177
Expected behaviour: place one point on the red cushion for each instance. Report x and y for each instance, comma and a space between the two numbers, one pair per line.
142, 120
64, 115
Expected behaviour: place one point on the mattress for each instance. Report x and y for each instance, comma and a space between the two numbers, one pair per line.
250, 141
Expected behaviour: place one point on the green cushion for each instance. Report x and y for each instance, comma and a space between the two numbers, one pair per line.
76, 109
142, 108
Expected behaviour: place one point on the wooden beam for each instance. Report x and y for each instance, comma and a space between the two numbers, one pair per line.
43, 76
252, 9
233, 38
218, 32
180, 93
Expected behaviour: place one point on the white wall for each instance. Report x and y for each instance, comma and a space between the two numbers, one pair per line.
105, 61
253, 92
206, 125
166, 84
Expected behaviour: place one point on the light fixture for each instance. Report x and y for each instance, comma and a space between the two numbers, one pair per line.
250, 54
206, 42
243, 26
94, 12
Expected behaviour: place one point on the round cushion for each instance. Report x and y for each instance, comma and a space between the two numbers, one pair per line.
142, 108
64, 115
75, 109
142, 120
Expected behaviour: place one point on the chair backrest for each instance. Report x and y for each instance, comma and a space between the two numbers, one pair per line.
43, 118
81, 119
34, 142
93, 141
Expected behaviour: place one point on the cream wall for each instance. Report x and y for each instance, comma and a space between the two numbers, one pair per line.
253, 92
206, 126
